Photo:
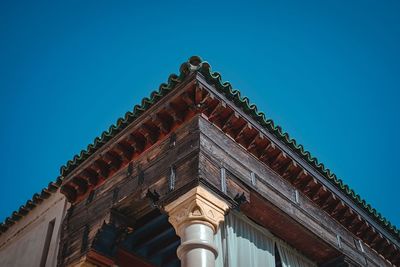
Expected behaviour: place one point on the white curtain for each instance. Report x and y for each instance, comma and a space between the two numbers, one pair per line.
291, 258
219, 241
242, 243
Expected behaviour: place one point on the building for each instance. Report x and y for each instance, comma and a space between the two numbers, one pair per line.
197, 176
30, 237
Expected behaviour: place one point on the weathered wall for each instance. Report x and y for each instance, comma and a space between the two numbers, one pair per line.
23, 244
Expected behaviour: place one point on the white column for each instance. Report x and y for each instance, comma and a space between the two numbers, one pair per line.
196, 216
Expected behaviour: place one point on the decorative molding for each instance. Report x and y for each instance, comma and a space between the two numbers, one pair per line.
196, 206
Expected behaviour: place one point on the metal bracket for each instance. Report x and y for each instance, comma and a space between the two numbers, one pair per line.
172, 140
239, 199
154, 198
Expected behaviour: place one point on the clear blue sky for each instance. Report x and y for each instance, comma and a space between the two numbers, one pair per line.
328, 72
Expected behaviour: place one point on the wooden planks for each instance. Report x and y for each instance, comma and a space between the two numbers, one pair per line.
131, 199
216, 147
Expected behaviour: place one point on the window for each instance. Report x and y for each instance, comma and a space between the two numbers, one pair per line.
49, 234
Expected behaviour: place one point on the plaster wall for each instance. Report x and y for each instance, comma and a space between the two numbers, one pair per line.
23, 243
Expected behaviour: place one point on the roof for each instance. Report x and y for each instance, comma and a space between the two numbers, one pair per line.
30, 204
195, 63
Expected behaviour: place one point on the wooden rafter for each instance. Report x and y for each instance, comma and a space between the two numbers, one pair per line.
91, 176
268, 152
177, 114
101, 168
124, 150
227, 122
80, 184
321, 194
328, 202
216, 111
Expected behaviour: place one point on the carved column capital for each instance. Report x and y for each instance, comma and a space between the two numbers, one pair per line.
196, 206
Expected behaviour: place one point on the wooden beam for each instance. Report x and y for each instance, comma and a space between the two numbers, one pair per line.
376, 240
138, 141
91, 176
80, 184
204, 104
302, 177
288, 171
265, 214
125, 151
101, 168
162, 126
312, 188
227, 122
390, 251
199, 93
348, 218
177, 114
98, 259
70, 192
335, 205
280, 162
247, 137
113, 160
244, 133
268, 152
328, 202
301, 184
254, 144
150, 132
188, 100
385, 247
216, 112
362, 230
338, 210
356, 223
396, 259
125, 259
320, 195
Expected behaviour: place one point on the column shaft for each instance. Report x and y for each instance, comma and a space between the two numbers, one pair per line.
197, 246
196, 216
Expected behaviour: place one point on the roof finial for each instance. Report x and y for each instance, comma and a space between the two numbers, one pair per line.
193, 64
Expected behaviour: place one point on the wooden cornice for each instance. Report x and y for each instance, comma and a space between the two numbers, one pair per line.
196, 96
289, 167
